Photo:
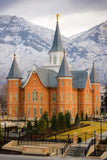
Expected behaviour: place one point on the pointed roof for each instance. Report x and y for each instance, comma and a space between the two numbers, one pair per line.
64, 69
93, 76
14, 71
57, 43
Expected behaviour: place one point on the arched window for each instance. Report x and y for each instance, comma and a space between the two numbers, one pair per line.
15, 110
10, 110
34, 95
28, 110
53, 96
40, 110
54, 61
34, 111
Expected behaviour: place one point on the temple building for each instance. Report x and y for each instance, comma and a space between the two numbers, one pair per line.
53, 88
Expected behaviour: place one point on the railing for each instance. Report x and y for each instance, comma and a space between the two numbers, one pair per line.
66, 146
89, 145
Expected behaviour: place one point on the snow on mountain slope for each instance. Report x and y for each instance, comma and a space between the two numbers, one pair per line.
31, 44
88, 47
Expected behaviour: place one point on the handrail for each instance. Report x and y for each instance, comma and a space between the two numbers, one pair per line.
66, 146
89, 145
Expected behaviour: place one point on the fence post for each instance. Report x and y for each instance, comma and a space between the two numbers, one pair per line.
85, 138
68, 135
96, 138
75, 138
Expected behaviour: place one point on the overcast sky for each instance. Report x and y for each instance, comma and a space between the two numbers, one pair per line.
75, 15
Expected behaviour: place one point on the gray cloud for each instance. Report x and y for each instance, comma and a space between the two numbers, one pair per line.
80, 14
46, 7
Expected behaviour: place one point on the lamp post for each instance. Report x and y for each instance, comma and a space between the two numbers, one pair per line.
25, 119
5, 132
101, 131
94, 143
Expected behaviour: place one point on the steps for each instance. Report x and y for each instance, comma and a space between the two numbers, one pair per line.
76, 151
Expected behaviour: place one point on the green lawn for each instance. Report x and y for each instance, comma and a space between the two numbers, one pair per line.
94, 126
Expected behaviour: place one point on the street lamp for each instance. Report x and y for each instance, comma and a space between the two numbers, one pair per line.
94, 143
101, 131
5, 132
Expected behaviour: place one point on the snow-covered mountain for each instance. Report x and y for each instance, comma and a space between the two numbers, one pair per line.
31, 44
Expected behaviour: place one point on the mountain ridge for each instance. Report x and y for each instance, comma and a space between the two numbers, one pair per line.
32, 42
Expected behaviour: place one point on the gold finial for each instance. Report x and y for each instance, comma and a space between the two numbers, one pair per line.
57, 17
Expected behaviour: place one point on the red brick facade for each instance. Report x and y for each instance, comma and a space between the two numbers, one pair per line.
60, 99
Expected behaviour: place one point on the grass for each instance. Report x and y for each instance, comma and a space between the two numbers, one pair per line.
94, 126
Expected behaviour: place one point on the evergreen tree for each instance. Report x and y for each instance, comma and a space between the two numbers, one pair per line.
86, 117
77, 120
45, 117
61, 121
36, 127
29, 128
54, 123
68, 119
105, 98
42, 126
82, 115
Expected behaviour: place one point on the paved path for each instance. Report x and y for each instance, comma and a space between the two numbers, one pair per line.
25, 157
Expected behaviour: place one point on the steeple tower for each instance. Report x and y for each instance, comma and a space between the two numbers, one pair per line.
64, 69
13, 91
57, 43
95, 84
56, 51
14, 71
93, 76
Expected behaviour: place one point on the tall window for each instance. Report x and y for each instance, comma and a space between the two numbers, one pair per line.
10, 84
15, 84
67, 83
34, 95
96, 98
53, 110
28, 96
76, 98
28, 110
62, 83
15, 96
53, 96
40, 110
67, 96
15, 110
40, 96
96, 87
62, 109
34, 110
10, 96
62, 96
54, 60
10, 110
